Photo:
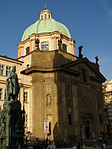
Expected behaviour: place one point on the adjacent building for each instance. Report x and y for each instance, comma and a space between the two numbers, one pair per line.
107, 91
60, 92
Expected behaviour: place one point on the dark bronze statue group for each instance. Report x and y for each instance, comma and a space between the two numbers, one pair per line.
11, 116
12, 85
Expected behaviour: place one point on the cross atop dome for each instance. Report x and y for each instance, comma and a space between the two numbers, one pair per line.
46, 24
45, 14
45, 7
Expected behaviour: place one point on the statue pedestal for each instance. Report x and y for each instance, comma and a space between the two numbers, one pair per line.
11, 125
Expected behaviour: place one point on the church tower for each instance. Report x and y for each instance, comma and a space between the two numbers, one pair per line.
64, 91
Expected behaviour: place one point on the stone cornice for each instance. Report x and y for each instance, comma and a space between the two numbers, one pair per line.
34, 69
8, 59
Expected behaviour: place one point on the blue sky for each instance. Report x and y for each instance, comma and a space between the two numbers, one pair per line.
89, 22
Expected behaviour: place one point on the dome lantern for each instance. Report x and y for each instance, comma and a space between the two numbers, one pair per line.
45, 14
46, 24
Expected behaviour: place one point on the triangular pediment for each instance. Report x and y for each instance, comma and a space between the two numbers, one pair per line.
109, 81
91, 68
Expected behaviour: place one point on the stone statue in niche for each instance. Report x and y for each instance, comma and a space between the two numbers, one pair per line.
11, 116
37, 44
60, 44
48, 100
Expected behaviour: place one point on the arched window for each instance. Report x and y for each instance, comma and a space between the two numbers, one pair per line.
64, 47
45, 46
45, 16
41, 17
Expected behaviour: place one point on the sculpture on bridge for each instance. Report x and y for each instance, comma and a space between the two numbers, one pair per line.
11, 116
12, 85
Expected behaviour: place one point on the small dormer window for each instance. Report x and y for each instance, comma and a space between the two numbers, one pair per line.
27, 50
45, 46
64, 47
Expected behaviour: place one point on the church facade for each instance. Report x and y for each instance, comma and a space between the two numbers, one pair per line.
61, 93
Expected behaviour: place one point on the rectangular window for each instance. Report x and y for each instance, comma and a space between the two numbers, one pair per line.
64, 47
101, 121
83, 73
1, 69
27, 50
0, 93
7, 70
68, 89
45, 46
26, 120
25, 96
69, 119
49, 128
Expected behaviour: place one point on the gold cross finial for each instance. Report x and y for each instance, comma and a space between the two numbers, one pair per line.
45, 7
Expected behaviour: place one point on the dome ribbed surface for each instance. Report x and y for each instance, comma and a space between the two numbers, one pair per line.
46, 26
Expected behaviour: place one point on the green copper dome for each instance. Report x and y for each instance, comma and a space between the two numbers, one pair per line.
46, 26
